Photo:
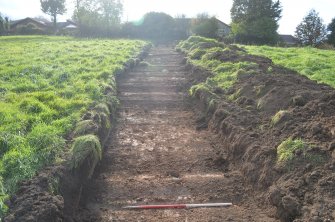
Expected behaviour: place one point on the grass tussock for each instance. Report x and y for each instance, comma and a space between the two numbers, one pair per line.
278, 117
86, 150
102, 108
86, 127
294, 151
287, 149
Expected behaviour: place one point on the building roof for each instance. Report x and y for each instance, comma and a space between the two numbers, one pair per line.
39, 21
44, 22
289, 39
219, 21
67, 24
190, 19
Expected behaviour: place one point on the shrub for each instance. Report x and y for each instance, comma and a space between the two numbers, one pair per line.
207, 27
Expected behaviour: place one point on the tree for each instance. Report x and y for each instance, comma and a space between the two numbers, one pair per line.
7, 24
2, 26
158, 26
205, 26
98, 17
311, 31
111, 11
331, 29
53, 8
255, 21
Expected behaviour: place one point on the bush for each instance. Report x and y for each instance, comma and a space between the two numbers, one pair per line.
206, 27
157, 27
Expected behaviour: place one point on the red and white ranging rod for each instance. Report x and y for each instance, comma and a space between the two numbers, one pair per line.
178, 206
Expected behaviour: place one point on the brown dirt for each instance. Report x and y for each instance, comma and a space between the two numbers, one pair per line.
158, 156
303, 190
167, 148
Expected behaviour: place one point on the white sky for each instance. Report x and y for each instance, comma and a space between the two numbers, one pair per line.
293, 10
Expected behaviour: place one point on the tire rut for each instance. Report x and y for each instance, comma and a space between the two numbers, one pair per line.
156, 155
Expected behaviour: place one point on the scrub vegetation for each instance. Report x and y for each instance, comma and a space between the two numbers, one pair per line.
46, 85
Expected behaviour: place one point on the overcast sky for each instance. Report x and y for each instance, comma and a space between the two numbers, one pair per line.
293, 10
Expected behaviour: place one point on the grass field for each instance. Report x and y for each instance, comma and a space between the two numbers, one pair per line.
314, 63
46, 84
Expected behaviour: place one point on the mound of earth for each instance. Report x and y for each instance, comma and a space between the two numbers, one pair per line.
261, 111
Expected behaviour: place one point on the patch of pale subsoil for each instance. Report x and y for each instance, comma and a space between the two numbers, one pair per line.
156, 156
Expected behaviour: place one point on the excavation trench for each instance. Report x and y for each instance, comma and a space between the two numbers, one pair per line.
167, 148
157, 156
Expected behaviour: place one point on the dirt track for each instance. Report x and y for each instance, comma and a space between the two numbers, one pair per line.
157, 156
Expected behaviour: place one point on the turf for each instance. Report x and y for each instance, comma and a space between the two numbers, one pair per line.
203, 52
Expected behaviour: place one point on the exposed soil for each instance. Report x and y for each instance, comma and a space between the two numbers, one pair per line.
158, 156
302, 189
167, 148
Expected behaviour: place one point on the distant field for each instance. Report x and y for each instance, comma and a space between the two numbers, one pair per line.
46, 84
314, 63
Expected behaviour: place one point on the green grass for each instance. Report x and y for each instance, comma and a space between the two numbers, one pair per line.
286, 150
46, 85
278, 117
314, 63
292, 152
86, 149
203, 52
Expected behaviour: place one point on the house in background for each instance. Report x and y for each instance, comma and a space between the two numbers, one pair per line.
28, 26
288, 40
40, 26
68, 25
186, 24
223, 29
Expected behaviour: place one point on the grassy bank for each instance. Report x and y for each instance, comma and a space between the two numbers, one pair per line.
314, 63
46, 84
217, 58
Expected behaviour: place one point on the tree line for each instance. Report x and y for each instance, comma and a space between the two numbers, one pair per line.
256, 22
253, 22
4, 24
